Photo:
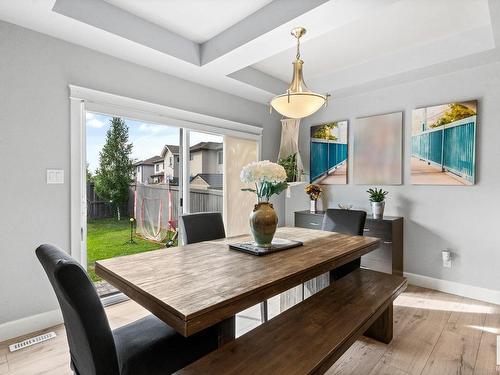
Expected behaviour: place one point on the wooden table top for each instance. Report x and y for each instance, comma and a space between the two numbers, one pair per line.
195, 286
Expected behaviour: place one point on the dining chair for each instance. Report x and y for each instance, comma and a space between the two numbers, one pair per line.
146, 346
201, 226
208, 226
347, 222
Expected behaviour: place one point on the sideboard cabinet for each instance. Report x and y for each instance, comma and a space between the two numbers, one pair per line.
388, 257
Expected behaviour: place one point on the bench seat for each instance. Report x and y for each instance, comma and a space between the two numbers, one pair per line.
309, 337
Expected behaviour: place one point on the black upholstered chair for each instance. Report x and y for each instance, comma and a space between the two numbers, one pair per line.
145, 347
202, 226
207, 226
346, 222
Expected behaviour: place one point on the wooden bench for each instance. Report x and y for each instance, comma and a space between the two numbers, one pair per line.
309, 337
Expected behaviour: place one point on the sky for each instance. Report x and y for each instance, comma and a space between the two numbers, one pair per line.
147, 139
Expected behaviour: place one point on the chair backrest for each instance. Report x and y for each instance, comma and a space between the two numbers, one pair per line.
344, 221
90, 339
203, 226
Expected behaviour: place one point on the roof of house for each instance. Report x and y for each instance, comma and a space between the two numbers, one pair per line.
214, 180
174, 149
206, 146
150, 161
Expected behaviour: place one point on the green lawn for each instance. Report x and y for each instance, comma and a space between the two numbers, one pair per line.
106, 238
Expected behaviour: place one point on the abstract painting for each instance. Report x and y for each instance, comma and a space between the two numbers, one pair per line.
443, 144
378, 149
328, 163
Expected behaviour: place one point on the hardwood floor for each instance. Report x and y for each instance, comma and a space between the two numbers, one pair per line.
434, 333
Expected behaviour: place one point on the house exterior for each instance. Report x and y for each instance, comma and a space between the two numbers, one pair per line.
207, 181
144, 169
206, 166
206, 157
170, 155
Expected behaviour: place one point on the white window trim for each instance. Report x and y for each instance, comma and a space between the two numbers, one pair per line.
84, 99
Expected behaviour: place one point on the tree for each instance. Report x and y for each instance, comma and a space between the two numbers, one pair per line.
89, 174
325, 131
455, 112
114, 175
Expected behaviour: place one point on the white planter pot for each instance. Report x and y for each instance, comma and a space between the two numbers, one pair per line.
378, 209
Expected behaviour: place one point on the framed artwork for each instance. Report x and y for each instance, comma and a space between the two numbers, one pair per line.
378, 144
443, 144
328, 162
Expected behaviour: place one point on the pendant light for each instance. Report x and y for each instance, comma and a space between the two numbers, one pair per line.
298, 101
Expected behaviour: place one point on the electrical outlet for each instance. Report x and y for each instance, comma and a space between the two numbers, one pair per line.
55, 176
446, 255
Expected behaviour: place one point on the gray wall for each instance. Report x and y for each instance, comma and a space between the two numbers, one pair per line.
464, 219
35, 71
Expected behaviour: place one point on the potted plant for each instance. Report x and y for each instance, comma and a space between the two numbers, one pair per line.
314, 192
377, 201
269, 179
290, 165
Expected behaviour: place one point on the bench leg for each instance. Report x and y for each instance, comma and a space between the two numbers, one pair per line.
226, 331
381, 329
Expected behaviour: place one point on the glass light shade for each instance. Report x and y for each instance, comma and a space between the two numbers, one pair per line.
298, 105
298, 101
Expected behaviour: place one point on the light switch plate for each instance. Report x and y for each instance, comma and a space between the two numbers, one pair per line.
55, 176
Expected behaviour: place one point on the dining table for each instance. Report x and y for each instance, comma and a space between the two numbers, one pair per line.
205, 284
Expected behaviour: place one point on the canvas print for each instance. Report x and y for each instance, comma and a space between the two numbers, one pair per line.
443, 144
378, 149
328, 163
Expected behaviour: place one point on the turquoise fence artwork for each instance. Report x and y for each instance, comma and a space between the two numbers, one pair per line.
325, 156
451, 147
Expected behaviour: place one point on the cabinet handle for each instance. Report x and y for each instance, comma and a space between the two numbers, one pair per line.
388, 242
315, 224
366, 230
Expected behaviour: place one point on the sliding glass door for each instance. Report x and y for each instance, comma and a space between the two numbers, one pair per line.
132, 188
140, 176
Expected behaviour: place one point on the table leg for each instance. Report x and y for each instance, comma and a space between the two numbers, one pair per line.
226, 331
381, 329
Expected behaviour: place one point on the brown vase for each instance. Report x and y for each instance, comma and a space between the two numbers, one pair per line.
263, 223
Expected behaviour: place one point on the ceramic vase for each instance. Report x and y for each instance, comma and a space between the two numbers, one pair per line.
263, 224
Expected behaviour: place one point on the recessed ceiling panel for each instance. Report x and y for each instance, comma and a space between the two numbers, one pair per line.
404, 25
197, 20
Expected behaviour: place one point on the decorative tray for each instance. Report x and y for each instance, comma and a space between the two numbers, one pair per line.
278, 244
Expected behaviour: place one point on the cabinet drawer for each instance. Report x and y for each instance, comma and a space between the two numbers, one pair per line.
310, 221
378, 229
379, 259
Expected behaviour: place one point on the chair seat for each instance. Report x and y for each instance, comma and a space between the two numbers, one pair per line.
148, 346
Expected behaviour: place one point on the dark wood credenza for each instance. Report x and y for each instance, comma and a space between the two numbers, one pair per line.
388, 257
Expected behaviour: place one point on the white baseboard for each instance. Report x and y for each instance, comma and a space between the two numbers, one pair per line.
30, 324
452, 287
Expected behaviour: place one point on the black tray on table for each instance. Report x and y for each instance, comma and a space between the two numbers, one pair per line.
278, 244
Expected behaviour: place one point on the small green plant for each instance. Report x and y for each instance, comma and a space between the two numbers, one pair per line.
377, 195
290, 165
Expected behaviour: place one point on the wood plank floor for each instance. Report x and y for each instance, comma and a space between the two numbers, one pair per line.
434, 333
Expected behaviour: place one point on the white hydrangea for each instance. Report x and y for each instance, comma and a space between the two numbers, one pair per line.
263, 171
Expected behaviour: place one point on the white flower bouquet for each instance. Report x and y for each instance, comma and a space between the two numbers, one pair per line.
269, 178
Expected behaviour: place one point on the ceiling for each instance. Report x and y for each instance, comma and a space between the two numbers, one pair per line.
245, 48
196, 20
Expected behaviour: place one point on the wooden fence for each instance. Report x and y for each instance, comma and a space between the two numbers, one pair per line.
98, 208
156, 197
450, 147
200, 200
